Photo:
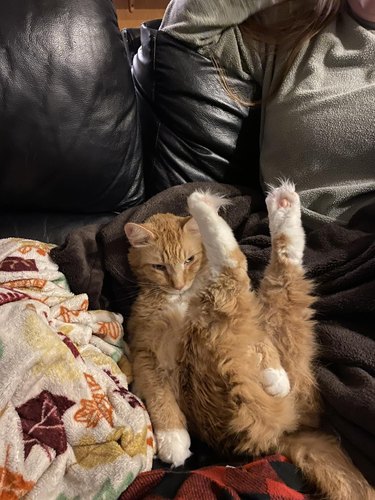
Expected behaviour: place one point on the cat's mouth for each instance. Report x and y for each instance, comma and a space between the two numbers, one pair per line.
174, 291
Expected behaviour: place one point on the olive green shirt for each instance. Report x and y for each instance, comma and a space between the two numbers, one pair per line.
319, 129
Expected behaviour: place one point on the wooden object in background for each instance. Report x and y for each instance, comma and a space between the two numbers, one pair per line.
131, 13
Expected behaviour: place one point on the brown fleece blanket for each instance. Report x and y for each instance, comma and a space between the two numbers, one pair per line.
340, 260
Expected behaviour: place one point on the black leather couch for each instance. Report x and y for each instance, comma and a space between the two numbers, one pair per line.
91, 123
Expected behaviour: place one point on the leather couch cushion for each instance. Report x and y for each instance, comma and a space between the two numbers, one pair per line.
48, 227
192, 129
69, 131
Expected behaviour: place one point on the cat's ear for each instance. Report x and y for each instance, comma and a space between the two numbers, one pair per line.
191, 227
138, 235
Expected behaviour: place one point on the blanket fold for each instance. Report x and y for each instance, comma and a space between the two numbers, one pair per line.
341, 261
69, 426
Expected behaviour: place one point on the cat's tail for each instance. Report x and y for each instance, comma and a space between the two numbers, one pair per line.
326, 465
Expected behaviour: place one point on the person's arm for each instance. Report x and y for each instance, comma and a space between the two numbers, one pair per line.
211, 27
201, 22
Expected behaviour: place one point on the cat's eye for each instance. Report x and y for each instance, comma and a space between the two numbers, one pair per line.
159, 267
189, 260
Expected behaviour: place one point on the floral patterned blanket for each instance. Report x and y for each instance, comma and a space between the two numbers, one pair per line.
69, 427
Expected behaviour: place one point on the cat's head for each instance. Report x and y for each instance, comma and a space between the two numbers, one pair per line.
166, 252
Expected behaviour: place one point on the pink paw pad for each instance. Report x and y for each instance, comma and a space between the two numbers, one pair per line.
284, 203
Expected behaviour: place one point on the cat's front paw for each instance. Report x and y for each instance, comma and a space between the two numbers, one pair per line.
173, 446
275, 382
284, 213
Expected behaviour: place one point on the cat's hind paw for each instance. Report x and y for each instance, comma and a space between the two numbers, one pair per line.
173, 446
199, 199
275, 382
284, 212
283, 205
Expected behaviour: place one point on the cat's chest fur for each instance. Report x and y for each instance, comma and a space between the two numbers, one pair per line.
175, 310
163, 323
178, 304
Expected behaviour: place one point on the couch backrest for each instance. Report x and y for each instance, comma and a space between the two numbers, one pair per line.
192, 129
69, 129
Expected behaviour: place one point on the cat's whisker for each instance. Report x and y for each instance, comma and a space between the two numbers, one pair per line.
131, 280
131, 294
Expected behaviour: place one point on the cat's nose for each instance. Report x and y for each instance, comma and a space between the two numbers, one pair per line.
179, 286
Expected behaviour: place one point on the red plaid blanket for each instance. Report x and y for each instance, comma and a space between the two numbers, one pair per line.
270, 478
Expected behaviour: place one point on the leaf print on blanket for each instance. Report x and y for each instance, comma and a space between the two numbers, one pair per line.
135, 443
41, 248
7, 296
89, 453
41, 420
29, 283
69, 344
124, 440
95, 409
12, 484
70, 316
110, 329
127, 395
16, 264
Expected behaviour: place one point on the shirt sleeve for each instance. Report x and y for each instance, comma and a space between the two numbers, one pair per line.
212, 28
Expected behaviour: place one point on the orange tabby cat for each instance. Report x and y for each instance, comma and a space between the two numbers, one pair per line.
209, 353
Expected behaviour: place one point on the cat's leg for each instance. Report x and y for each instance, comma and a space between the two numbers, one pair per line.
221, 246
152, 384
285, 293
288, 236
228, 268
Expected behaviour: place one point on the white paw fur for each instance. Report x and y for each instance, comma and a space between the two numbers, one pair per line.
202, 198
173, 446
275, 382
217, 236
284, 212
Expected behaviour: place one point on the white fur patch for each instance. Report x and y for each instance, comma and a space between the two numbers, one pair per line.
173, 446
217, 236
284, 212
179, 303
215, 201
276, 382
